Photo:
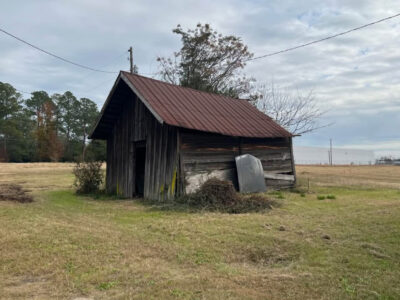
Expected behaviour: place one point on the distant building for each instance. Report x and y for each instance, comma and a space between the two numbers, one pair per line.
320, 156
388, 161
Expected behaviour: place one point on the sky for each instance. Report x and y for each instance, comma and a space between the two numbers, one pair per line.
355, 78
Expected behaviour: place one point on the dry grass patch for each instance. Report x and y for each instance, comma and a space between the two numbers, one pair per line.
365, 176
37, 176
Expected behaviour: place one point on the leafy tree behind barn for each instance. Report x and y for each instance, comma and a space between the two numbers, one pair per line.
208, 61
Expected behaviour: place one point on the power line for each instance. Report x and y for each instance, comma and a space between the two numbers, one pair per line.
324, 39
108, 64
96, 86
114, 60
55, 55
89, 74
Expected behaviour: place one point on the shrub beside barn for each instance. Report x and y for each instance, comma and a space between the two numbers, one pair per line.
165, 140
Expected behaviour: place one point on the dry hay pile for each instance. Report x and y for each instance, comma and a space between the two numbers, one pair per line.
14, 192
220, 195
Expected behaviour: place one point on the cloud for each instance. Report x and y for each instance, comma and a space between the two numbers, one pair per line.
355, 77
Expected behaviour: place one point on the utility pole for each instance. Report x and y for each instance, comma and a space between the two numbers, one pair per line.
131, 58
331, 158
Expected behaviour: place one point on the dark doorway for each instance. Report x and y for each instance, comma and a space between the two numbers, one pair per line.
140, 166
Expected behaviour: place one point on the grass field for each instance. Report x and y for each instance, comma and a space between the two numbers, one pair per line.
67, 246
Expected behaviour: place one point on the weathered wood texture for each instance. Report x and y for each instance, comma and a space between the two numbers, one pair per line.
120, 152
205, 155
136, 124
278, 176
277, 160
161, 161
275, 154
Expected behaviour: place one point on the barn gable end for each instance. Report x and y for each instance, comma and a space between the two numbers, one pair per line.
136, 128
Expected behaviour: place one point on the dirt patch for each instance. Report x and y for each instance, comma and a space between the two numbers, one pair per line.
374, 250
270, 257
25, 287
14, 192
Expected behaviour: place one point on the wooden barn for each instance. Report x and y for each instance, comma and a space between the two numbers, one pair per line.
164, 140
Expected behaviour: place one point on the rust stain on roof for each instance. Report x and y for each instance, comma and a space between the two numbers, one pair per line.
192, 109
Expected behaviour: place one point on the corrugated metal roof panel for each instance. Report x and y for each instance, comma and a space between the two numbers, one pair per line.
192, 109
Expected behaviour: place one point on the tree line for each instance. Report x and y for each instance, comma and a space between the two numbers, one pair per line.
47, 127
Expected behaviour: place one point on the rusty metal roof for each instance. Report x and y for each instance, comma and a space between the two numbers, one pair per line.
188, 108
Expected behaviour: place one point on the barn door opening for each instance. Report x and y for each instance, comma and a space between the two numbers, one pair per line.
140, 163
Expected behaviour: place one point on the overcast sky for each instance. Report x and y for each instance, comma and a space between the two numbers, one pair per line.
356, 78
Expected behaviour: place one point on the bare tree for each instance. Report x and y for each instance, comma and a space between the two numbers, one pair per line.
297, 112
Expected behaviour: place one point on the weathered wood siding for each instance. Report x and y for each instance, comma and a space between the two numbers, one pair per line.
120, 152
276, 158
205, 155
161, 161
135, 123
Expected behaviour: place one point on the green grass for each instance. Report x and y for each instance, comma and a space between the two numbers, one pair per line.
66, 246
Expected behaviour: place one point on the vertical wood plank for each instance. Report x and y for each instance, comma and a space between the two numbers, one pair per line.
181, 167
163, 162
